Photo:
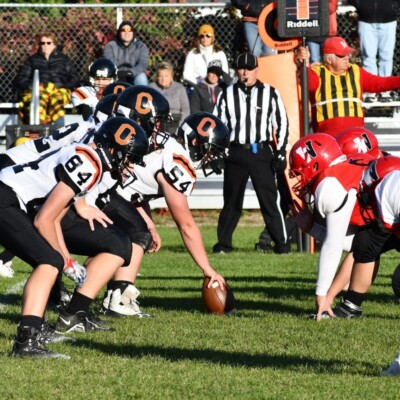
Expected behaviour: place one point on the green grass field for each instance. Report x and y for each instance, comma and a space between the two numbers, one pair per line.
268, 350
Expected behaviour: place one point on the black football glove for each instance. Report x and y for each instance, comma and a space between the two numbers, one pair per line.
279, 162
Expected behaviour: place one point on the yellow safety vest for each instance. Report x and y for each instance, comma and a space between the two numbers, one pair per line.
338, 95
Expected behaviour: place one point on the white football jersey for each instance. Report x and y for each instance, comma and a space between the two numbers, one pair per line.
387, 195
174, 161
85, 95
77, 165
32, 149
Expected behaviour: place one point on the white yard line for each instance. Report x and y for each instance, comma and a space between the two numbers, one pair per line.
17, 288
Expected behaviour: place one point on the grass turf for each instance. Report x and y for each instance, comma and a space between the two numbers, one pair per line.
268, 350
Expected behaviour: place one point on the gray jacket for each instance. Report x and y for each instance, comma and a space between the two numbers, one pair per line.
133, 58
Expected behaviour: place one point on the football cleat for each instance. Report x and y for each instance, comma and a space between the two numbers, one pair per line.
125, 303
79, 322
106, 301
6, 270
48, 335
28, 344
394, 367
346, 309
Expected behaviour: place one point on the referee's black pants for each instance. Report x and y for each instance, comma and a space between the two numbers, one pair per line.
240, 165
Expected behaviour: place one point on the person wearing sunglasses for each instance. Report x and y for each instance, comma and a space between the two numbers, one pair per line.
130, 55
205, 52
57, 75
336, 87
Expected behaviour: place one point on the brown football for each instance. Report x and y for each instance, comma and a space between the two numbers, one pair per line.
217, 301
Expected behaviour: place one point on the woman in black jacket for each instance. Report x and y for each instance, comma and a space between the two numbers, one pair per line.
205, 93
57, 77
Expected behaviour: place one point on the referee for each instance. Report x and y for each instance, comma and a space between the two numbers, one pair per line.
253, 111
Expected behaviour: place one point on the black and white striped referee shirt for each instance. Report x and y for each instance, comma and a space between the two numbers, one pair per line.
253, 117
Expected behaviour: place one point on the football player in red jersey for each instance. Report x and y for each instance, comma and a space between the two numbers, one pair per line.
76, 169
381, 191
323, 172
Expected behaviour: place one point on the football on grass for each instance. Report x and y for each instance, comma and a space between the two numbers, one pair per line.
216, 300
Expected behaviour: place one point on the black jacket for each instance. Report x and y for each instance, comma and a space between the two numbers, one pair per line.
58, 69
201, 99
251, 8
376, 11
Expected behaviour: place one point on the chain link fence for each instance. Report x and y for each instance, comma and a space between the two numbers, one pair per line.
83, 30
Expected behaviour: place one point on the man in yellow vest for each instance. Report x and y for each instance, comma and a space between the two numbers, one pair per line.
336, 87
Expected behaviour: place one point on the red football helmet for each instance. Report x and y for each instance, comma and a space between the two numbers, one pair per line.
377, 170
309, 156
358, 140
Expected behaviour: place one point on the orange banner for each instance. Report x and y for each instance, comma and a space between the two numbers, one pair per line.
280, 71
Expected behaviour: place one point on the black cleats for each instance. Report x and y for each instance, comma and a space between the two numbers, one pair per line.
346, 309
28, 344
79, 322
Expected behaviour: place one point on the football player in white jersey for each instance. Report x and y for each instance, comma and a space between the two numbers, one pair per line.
32, 149
170, 172
102, 72
52, 183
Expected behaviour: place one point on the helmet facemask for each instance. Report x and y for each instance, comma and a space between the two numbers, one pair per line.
213, 160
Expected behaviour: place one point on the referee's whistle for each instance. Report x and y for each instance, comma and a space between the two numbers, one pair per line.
254, 148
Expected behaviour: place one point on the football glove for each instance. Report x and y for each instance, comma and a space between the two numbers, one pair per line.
75, 271
279, 162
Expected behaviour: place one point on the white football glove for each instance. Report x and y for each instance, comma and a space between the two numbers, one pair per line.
75, 271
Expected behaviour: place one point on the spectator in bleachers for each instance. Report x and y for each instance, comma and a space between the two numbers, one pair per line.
57, 76
174, 92
250, 12
199, 58
377, 24
205, 93
130, 55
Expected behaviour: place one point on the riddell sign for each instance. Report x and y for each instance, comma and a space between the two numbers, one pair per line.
305, 18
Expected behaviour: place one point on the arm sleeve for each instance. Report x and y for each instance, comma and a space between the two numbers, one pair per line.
184, 102
224, 61
107, 52
73, 79
220, 108
143, 61
85, 110
313, 80
188, 69
336, 228
24, 77
195, 105
281, 123
376, 84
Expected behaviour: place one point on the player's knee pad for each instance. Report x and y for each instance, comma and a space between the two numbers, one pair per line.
143, 239
396, 281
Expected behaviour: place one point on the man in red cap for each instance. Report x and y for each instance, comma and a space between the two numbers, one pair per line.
336, 87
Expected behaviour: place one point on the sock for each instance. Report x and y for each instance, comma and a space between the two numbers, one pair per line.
120, 285
355, 297
31, 321
6, 256
79, 302
26, 325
